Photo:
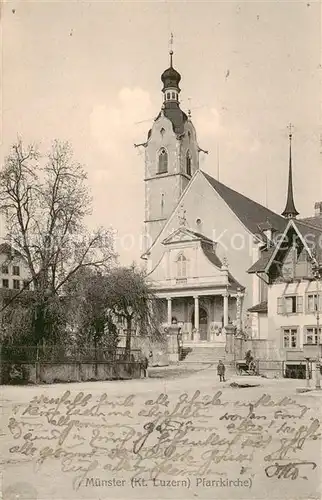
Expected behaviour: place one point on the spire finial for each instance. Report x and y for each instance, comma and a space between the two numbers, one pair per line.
290, 211
171, 49
290, 128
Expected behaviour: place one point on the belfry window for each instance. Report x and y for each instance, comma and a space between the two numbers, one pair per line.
188, 163
163, 162
168, 95
181, 266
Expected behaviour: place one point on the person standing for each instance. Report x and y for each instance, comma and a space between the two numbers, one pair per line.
221, 371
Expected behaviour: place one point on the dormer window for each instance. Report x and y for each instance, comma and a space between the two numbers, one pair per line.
163, 162
188, 163
181, 266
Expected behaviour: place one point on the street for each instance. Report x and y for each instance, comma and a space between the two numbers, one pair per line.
178, 434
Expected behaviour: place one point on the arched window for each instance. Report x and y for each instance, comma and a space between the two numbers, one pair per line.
181, 266
188, 163
168, 95
189, 135
162, 131
163, 162
173, 95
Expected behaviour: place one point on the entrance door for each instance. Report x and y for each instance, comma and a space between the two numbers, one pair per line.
203, 324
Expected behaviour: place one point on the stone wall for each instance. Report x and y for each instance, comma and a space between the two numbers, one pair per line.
49, 373
160, 350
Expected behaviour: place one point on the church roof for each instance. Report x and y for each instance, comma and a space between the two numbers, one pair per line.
209, 252
249, 212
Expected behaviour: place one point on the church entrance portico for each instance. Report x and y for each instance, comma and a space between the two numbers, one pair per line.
202, 318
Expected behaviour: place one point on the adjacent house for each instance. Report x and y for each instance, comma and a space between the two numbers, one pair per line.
288, 318
14, 274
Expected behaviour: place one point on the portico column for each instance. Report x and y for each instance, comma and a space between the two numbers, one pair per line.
215, 307
225, 295
213, 334
196, 325
169, 310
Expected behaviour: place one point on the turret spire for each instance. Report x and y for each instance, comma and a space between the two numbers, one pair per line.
290, 211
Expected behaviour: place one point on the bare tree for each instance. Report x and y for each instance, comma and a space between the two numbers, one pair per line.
45, 206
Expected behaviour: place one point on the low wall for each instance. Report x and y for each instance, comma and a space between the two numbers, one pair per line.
160, 350
49, 373
271, 368
262, 349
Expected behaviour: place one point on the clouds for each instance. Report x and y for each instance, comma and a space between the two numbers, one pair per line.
221, 128
114, 126
117, 178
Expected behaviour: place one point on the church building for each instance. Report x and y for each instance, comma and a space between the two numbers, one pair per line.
201, 236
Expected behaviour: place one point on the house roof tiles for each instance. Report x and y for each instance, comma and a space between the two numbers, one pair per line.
259, 308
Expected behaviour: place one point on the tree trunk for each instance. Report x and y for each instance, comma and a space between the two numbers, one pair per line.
128, 337
39, 323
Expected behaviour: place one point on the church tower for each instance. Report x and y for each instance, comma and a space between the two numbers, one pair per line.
171, 156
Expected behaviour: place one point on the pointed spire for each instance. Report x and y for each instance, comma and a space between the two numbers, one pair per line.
290, 211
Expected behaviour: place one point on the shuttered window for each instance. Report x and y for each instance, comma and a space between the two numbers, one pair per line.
280, 305
290, 304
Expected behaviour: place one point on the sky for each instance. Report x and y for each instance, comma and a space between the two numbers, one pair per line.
89, 72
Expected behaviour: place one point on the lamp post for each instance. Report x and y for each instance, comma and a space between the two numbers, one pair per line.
316, 269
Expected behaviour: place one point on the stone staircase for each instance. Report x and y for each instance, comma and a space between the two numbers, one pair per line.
205, 354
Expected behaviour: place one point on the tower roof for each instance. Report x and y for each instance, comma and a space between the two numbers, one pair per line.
177, 117
170, 77
290, 211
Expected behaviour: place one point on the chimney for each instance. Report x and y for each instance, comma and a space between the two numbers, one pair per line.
318, 209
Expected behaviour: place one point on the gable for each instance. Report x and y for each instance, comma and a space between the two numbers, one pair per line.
197, 266
184, 234
180, 235
292, 256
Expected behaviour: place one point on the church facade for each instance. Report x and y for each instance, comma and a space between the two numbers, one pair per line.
201, 236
